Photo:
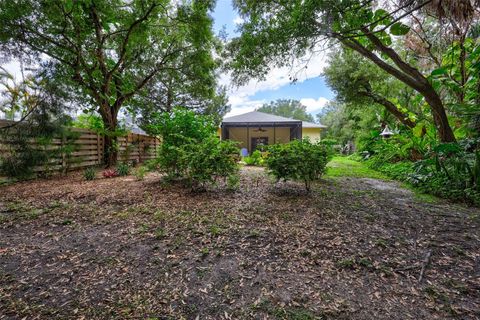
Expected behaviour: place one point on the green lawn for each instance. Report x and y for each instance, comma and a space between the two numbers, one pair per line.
345, 167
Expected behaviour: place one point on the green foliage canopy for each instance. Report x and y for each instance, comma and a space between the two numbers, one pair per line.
287, 108
297, 29
109, 51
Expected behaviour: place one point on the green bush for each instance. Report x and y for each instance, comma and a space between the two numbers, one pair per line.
256, 159
179, 128
329, 145
29, 144
140, 172
89, 174
191, 150
450, 170
299, 160
208, 160
123, 169
249, 161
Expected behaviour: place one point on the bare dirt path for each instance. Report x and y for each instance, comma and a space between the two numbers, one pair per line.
354, 248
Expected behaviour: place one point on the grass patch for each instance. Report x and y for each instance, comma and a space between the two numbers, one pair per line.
345, 167
420, 196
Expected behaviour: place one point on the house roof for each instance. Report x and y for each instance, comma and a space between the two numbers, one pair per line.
261, 117
306, 124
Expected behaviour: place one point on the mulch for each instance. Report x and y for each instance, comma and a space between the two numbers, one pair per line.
121, 248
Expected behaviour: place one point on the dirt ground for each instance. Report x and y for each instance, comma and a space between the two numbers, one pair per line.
120, 248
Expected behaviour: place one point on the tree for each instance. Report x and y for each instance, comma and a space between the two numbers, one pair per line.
163, 97
28, 144
110, 50
287, 108
297, 28
356, 80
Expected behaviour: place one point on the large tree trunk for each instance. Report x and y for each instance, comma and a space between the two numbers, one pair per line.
440, 118
110, 151
110, 147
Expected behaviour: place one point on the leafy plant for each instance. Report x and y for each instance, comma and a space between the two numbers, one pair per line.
209, 160
89, 174
140, 172
450, 171
123, 169
191, 150
29, 144
233, 182
249, 161
110, 173
299, 160
177, 129
256, 159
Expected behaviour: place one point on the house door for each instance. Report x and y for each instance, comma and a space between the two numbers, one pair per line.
259, 141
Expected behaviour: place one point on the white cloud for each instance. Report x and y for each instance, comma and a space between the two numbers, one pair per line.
240, 97
238, 20
314, 105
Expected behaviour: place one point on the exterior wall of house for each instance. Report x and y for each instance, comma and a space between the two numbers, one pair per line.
239, 135
281, 135
313, 133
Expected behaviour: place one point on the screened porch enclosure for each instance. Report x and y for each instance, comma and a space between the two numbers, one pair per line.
251, 135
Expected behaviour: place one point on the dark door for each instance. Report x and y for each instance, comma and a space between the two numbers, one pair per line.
258, 142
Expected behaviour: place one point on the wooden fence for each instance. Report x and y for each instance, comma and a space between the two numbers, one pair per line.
88, 149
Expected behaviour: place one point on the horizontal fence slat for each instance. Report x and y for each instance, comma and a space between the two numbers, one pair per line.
88, 149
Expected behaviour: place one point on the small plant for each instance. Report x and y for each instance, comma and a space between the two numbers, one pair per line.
123, 169
249, 161
160, 233
110, 173
365, 262
346, 263
382, 243
256, 159
215, 230
89, 174
140, 173
204, 252
233, 182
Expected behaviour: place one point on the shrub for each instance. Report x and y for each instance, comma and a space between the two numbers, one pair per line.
329, 145
256, 159
190, 149
109, 173
123, 169
450, 171
178, 128
29, 144
249, 161
299, 160
140, 172
207, 161
89, 174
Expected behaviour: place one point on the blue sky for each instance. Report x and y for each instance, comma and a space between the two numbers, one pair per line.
311, 89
